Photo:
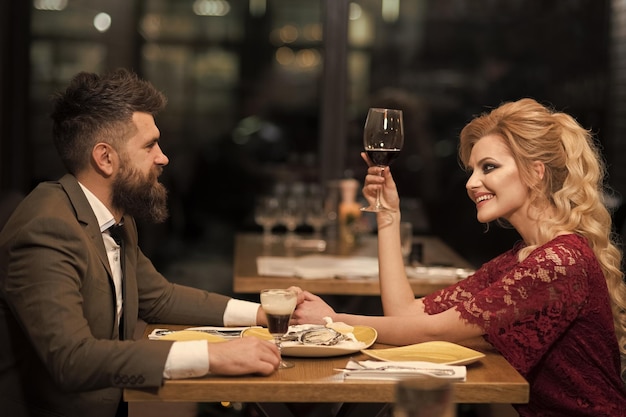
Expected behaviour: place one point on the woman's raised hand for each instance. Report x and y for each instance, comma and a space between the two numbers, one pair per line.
379, 178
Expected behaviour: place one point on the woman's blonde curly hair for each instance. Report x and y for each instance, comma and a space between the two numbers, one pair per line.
572, 187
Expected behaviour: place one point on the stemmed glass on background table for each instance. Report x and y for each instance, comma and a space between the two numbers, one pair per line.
267, 214
315, 216
383, 137
292, 215
278, 305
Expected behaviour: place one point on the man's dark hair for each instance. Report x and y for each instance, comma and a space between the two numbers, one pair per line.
99, 108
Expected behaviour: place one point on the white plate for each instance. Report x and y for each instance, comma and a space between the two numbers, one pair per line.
364, 334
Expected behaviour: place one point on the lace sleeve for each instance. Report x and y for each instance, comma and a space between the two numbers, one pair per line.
464, 290
525, 306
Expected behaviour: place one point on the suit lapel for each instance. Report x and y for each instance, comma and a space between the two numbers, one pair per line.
86, 217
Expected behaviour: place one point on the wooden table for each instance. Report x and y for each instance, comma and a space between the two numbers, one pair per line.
248, 246
313, 380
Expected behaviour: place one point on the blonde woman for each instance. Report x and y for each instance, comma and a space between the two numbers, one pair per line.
552, 305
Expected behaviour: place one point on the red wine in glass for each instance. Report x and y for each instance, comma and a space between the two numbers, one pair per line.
383, 137
383, 157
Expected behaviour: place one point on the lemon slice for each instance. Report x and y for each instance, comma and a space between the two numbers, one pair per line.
340, 327
259, 332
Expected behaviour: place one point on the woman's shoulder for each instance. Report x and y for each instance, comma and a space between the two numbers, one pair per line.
565, 251
570, 243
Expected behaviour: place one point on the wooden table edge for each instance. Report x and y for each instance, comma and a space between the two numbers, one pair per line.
247, 388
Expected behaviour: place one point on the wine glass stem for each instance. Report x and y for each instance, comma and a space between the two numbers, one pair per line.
378, 193
290, 237
378, 204
267, 235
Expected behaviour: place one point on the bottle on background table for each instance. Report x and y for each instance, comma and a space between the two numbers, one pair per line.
349, 211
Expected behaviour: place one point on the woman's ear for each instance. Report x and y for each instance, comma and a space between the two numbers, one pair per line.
103, 157
540, 169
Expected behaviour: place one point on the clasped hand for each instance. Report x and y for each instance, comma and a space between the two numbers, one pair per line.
311, 309
251, 355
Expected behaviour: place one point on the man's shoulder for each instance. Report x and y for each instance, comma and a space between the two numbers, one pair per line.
48, 200
46, 196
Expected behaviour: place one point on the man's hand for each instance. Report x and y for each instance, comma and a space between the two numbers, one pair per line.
248, 355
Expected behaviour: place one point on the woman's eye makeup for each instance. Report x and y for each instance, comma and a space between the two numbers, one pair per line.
485, 168
488, 167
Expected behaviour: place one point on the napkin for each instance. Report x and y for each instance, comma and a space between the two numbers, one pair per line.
438, 274
318, 266
378, 370
188, 334
329, 266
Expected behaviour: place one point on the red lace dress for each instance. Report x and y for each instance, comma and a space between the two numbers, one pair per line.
550, 317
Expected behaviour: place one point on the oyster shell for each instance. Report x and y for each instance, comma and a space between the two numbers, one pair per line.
322, 336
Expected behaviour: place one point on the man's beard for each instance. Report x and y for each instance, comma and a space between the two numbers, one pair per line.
140, 196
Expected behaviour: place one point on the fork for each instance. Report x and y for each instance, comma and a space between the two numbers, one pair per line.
434, 371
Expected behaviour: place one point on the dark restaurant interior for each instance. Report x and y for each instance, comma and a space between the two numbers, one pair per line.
267, 95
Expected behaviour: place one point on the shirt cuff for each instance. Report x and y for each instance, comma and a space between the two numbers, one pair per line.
240, 313
188, 359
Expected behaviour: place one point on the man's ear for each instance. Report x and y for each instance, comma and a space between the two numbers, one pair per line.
103, 157
540, 169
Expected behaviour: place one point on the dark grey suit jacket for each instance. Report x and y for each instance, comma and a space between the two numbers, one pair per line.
60, 354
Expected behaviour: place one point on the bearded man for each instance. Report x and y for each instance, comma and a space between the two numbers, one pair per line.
74, 282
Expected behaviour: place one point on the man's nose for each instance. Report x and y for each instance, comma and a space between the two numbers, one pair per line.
162, 159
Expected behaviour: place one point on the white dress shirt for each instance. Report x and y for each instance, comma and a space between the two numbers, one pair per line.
186, 359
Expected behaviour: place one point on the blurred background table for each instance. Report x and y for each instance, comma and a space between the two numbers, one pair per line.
249, 246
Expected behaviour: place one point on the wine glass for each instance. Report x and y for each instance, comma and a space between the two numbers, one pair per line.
278, 305
424, 397
383, 137
292, 215
267, 214
315, 216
